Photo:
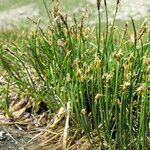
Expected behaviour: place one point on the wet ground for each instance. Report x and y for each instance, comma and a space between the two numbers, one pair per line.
12, 139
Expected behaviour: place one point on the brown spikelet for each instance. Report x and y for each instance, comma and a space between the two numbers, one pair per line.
118, 1
98, 4
63, 19
144, 29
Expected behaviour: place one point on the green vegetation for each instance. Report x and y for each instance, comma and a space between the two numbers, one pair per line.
103, 73
15, 3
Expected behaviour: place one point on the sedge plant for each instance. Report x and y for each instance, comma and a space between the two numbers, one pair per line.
103, 73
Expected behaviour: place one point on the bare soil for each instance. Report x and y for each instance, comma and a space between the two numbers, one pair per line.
12, 139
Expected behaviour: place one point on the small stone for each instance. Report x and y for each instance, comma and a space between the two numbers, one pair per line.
21, 148
26, 115
3, 136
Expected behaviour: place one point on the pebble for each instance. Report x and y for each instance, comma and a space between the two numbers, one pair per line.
3, 136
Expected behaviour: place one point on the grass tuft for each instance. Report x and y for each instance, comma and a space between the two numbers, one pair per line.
104, 74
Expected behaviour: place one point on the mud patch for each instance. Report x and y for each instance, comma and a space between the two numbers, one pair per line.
12, 139
12, 16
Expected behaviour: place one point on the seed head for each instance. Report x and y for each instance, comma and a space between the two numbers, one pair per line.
83, 111
61, 42
68, 78
76, 63
142, 88
131, 58
144, 29
148, 70
97, 96
147, 61
98, 4
97, 62
118, 1
125, 85
87, 70
79, 75
107, 77
118, 55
